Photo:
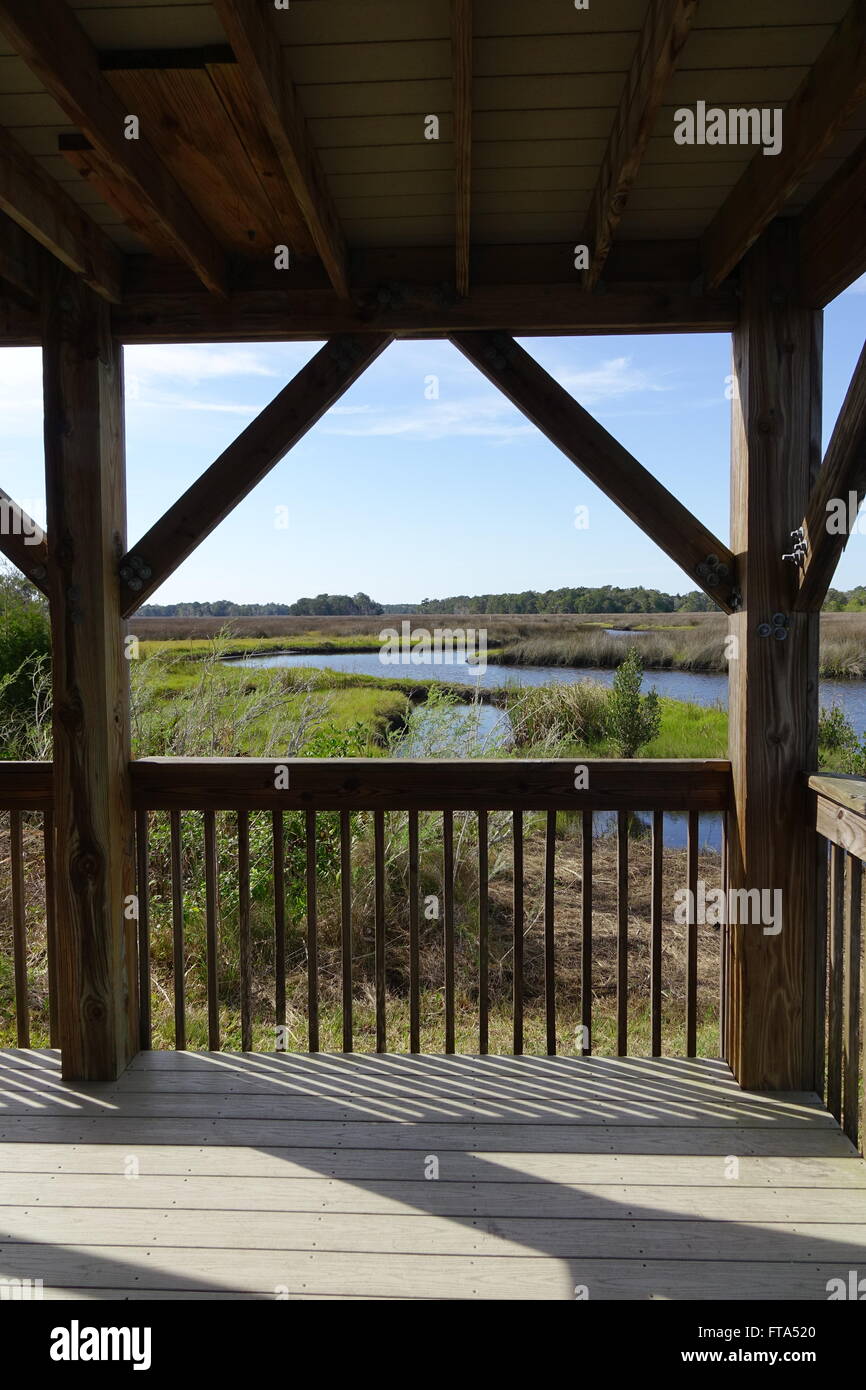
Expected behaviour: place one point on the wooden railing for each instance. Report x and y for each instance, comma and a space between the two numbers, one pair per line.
430, 905
840, 819
422, 831
27, 935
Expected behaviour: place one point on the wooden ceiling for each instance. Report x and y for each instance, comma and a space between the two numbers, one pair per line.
305, 127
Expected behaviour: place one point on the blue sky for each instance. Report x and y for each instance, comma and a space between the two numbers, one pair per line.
408, 497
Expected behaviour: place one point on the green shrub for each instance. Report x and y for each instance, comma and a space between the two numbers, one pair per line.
631, 719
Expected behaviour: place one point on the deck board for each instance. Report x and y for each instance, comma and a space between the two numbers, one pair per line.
554, 1173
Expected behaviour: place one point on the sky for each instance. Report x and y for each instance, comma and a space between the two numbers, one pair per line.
423, 481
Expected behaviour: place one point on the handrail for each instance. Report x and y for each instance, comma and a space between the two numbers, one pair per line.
840, 810
430, 784
840, 818
26, 786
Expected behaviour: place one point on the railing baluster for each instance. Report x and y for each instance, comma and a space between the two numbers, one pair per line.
586, 932
549, 941
656, 933
145, 1009
852, 1031
622, 933
346, 925
177, 935
379, 926
279, 851
692, 938
820, 1005
211, 891
836, 1002
19, 929
312, 936
414, 950
517, 835
244, 931
51, 926
448, 866
723, 945
483, 937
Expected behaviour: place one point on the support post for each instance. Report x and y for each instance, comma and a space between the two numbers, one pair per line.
773, 680
85, 494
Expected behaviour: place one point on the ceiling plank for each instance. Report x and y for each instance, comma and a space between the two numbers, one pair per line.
461, 52
42, 208
833, 234
824, 101
49, 38
22, 540
664, 33
243, 464
842, 473
604, 461
253, 32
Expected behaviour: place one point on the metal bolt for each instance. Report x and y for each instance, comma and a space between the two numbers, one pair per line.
780, 619
780, 633
764, 629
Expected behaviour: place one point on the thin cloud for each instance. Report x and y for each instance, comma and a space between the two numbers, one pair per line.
608, 381
475, 418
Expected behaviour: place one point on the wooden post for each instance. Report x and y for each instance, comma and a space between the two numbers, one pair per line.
85, 492
773, 680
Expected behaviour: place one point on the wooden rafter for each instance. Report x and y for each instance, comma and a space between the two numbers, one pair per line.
842, 473
461, 50
48, 36
243, 464
604, 460
826, 98
20, 261
253, 31
833, 233
42, 208
23, 542
661, 41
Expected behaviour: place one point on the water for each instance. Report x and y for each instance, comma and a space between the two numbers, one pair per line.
696, 687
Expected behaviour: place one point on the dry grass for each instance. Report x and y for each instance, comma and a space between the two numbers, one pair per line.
568, 944
676, 641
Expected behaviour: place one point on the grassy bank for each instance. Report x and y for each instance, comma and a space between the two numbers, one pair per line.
667, 641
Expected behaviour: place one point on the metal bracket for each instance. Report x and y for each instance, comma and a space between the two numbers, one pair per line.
797, 556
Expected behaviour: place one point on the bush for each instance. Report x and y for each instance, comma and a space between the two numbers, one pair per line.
25, 647
631, 719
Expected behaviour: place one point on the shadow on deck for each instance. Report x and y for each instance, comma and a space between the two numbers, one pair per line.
219, 1175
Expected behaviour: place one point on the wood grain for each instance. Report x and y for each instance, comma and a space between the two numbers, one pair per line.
773, 714
84, 461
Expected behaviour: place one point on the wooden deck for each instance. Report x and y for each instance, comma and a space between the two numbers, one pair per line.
305, 1177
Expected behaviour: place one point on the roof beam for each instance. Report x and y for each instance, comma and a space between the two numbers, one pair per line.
823, 102
604, 461
843, 472
22, 540
243, 464
833, 234
461, 51
42, 208
48, 36
20, 261
521, 290
661, 41
254, 34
